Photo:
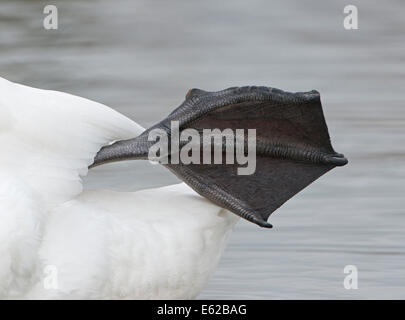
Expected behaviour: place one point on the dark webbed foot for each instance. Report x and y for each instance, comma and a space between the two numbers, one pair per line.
292, 147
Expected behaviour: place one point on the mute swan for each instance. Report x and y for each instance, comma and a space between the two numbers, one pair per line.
61, 243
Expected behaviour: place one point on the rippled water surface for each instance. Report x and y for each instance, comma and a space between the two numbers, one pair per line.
140, 57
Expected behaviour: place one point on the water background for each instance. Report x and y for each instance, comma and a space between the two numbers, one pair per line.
140, 57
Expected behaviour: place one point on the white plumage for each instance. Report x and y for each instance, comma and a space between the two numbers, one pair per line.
158, 243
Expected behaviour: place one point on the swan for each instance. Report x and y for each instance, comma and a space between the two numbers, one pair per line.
60, 242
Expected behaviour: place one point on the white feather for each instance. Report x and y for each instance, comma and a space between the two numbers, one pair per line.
158, 243
50, 138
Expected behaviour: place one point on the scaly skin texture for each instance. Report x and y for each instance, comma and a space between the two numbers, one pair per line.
293, 147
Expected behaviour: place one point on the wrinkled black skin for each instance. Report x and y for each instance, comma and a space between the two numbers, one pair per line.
293, 147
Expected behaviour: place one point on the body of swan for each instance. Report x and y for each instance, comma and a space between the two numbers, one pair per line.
59, 242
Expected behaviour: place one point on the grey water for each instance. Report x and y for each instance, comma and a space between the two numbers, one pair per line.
140, 57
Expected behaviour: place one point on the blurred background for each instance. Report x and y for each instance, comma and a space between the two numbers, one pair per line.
140, 57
